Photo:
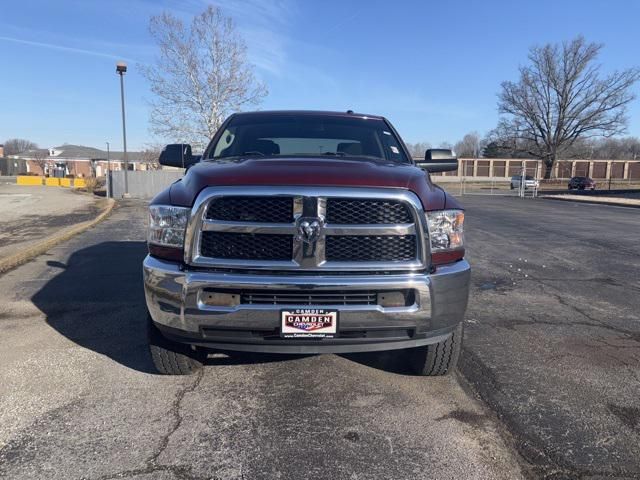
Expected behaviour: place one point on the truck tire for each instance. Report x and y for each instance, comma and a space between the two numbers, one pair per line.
172, 358
437, 359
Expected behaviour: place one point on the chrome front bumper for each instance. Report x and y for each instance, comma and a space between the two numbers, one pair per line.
174, 301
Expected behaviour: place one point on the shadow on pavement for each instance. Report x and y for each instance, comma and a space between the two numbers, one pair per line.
97, 301
391, 361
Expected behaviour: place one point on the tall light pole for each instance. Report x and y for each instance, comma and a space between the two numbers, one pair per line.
108, 172
121, 69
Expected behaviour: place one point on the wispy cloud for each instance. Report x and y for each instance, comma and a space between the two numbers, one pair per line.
264, 26
64, 48
272, 12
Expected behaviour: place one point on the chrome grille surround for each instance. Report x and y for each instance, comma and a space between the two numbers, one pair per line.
308, 203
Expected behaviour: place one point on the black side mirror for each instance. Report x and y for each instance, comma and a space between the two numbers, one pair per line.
438, 160
178, 155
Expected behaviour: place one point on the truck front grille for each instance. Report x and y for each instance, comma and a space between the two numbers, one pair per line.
285, 297
308, 228
356, 211
386, 298
252, 209
246, 246
390, 248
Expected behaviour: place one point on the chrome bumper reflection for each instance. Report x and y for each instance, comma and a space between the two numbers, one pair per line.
174, 298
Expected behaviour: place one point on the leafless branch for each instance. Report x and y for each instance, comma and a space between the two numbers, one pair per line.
200, 77
41, 159
13, 146
561, 98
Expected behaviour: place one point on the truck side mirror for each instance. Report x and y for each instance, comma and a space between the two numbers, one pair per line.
438, 160
178, 155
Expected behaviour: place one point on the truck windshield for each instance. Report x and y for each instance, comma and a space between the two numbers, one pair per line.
307, 136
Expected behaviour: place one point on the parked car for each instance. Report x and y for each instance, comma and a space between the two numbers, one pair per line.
529, 182
582, 183
306, 233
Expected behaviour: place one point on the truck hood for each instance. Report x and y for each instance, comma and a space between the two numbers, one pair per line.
306, 172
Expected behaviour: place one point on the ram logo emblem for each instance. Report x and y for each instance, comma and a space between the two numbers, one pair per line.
309, 229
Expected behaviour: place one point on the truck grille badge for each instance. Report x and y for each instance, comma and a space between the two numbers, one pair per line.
309, 229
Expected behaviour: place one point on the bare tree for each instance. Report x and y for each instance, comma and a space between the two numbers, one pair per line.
417, 150
149, 156
41, 159
561, 97
626, 148
469, 146
13, 146
506, 141
200, 77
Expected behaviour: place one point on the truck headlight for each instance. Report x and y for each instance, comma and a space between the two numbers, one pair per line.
446, 232
167, 225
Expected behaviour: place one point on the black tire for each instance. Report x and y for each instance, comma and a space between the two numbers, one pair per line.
172, 358
437, 359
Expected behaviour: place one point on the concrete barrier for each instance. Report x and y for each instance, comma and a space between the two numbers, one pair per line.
52, 182
143, 184
28, 180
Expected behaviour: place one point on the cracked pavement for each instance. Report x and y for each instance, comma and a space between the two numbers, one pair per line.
552, 342
552, 346
79, 397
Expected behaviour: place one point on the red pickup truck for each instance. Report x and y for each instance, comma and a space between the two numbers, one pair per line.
306, 232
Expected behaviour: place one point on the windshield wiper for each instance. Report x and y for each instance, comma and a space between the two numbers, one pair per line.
373, 157
253, 152
351, 155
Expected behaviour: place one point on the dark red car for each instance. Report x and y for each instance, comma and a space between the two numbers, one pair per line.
582, 183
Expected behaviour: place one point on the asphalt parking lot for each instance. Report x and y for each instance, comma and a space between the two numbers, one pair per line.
553, 330
30, 213
552, 349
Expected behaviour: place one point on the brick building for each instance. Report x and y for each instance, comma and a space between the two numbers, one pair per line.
77, 160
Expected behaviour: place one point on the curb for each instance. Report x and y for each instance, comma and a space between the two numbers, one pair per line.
17, 259
590, 202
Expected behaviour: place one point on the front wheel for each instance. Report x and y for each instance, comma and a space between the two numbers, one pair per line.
172, 358
439, 358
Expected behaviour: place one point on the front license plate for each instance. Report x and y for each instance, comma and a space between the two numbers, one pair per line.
309, 323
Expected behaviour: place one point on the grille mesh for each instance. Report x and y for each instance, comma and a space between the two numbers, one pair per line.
246, 246
357, 211
285, 297
392, 248
252, 209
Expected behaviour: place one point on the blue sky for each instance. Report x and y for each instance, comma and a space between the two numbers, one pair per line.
432, 67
